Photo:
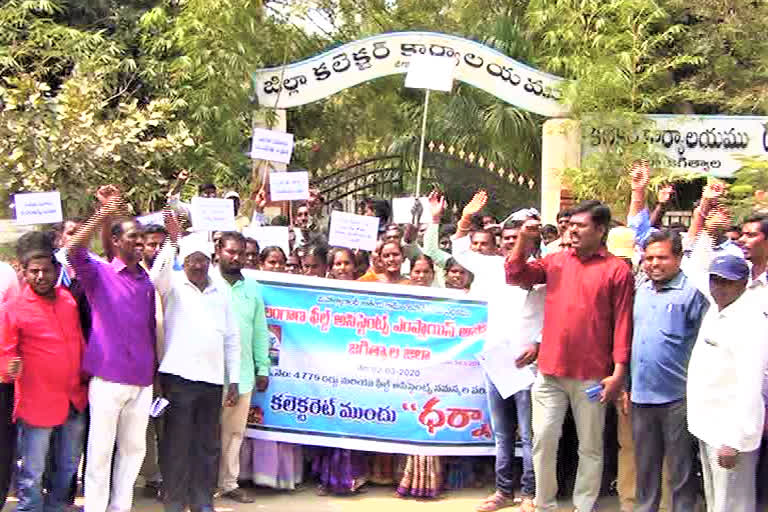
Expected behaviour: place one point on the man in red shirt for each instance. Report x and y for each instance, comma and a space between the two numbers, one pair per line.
584, 349
42, 350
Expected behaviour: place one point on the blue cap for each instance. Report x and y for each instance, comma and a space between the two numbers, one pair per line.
730, 267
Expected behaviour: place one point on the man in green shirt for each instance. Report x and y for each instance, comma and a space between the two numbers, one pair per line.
254, 356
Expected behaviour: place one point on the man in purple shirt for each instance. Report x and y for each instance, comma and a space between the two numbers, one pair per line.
120, 357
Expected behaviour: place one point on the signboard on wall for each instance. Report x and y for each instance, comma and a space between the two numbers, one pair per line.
706, 144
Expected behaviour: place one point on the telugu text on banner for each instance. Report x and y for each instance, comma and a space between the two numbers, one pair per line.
373, 367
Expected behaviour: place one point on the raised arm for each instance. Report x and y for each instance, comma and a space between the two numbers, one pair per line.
103, 194
518, 269
432, 234
181, 179
710, 197
640, 175
663, 197
161, 273
474, 206
259, 203
113, 206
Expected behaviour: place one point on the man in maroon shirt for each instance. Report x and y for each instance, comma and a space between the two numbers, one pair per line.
584, 349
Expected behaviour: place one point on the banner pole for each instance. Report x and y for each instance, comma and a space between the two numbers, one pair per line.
421, 148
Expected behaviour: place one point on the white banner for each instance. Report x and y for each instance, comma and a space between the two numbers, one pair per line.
706, 144
388, 54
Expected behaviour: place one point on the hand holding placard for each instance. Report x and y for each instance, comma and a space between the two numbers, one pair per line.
289, 186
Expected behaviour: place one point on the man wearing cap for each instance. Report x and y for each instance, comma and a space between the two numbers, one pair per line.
668, 311
726, 409
202, 353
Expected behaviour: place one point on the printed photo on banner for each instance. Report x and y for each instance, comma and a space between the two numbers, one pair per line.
289, 186
213, 214
38, 208
353, 231
374, 367
271, 145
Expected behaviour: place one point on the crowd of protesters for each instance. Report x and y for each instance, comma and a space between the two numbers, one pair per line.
668, 325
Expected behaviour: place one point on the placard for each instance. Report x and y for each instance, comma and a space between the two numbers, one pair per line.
353, 231
38, 208
271, 145
269, 235
289, 186
213, 214
401, 210
430, 72
151, 219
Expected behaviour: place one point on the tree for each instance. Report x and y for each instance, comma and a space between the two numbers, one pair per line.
64, 142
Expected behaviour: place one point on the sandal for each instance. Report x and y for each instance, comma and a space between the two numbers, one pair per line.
496, 501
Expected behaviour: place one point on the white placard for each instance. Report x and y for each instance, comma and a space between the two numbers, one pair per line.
151, 219
430, 72
271, 145
353, 231
501, 369
38, 208
289, 186
269, 235
401, 210
213, 214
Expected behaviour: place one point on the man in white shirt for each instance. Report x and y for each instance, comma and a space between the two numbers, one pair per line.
725, 402
202, 353
515, 318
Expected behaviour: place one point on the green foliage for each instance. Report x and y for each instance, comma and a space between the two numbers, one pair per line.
629, 57
64, 143
749, 189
